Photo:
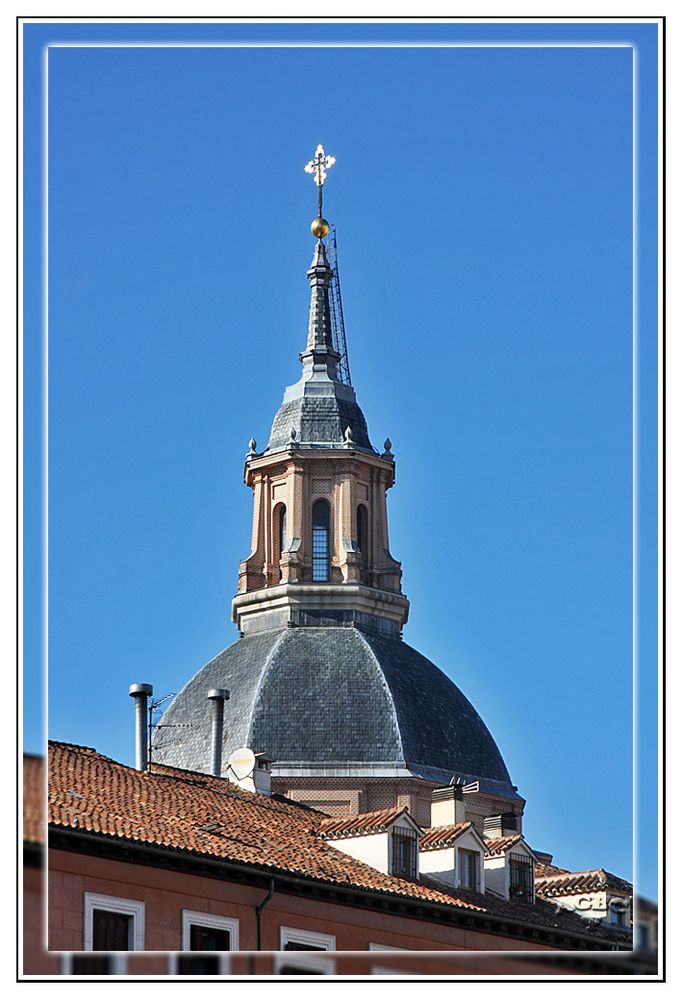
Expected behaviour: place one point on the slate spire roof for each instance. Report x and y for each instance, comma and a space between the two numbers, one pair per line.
316, 411
319, 318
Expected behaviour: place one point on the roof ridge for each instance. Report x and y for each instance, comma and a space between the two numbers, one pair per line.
582, 871
390, 694
361, 824
262, 680
371, 812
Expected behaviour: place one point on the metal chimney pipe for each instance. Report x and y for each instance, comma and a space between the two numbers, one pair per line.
218, 697
140, 692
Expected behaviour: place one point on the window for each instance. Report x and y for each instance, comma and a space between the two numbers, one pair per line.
213, 936
521, 878
362, 533
113, 924
468, 873
200, 965
285, 968
321, 541
618, 912
292, 939
280, 532
404, 853
94, 965
295, 939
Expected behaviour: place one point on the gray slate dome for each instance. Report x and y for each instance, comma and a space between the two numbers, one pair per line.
334, 701
320, 420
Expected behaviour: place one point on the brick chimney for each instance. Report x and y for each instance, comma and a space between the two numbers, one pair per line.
447, 806
501, 825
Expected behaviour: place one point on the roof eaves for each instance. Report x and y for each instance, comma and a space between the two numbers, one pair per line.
450, 903
263, 869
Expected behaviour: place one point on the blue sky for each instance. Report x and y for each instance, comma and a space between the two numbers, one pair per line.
483, 198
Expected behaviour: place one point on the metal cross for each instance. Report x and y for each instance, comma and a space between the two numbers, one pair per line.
319, 166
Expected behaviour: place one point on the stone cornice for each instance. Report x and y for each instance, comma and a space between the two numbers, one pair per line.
299, 456
323, 596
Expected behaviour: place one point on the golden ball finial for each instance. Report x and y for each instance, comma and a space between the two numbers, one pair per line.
320, 227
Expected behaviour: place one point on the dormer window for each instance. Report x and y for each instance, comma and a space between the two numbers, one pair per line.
386, 839
521, 878
468, 869
404, 853
321, 541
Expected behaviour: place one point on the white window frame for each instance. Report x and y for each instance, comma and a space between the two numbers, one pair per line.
214, 920
192, 918
306, 959
134, 908
223, 963
480, 867
119, 963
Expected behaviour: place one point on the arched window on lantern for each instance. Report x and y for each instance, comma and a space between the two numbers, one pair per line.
279, 531
321, 541
362, 534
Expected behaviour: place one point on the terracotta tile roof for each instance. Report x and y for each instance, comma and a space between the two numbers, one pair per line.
200, 815
573, 883
195, 813
543, 869
495, 846
334, 827
540, 913
34, 797
442, 836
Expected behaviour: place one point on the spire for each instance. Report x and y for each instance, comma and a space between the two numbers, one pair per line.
319, 319
317, 411
320, 350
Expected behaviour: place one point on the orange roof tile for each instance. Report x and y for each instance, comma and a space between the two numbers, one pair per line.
334, 827
540, 913
34, 800
573, 883
203, 815
543, 868
495, 846
442, 836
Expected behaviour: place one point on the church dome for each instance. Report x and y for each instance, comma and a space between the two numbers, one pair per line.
334, 701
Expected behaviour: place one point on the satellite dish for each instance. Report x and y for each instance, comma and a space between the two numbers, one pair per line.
242, 762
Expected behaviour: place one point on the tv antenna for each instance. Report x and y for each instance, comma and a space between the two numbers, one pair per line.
154, 707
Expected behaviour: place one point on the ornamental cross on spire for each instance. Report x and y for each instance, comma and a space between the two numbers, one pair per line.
319, 166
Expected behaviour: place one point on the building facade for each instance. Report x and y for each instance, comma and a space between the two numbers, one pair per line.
179, 863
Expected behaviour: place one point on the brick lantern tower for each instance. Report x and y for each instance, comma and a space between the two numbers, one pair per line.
320, 539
